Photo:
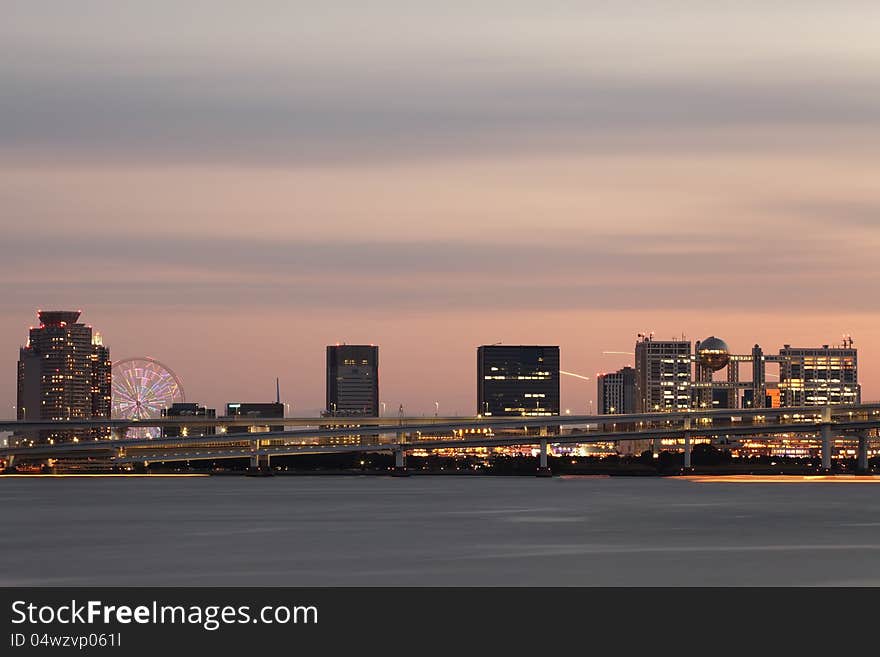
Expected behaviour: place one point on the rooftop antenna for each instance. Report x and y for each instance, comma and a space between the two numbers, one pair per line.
277, 390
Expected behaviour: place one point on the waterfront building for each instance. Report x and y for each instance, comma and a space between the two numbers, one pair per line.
759, 396
352, 380
101, 381
183, 410
518, 380
821, 376
663, 374
617, 392
63, 374
256, 410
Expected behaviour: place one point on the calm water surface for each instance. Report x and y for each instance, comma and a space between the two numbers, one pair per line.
444, 530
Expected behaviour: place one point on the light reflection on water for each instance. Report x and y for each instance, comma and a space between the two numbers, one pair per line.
782, 479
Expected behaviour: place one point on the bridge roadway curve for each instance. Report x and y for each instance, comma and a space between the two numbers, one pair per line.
409, 424
370, 428
387, 425
223, 446
139, 455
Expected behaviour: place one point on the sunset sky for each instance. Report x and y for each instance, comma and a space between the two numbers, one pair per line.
229, 186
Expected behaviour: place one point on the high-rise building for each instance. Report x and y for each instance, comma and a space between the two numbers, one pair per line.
759, 398
63, 374
518, 380
617, 392
819, 376
352, 380
182, 410
101, 390
663, 375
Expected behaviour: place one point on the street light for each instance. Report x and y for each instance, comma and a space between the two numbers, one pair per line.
436, 408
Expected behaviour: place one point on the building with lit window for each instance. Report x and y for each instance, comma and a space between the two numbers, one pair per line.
101, 372
182, 410
663, 374
617, 392
63, 374
256, 410
518, 380
821, 376
352, 380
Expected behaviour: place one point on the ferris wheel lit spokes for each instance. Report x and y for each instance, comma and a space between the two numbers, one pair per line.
142, 387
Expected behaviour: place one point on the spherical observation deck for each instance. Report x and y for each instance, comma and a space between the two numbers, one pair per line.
713, 353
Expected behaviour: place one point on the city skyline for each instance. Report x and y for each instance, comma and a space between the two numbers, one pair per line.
589, 402
405, 173
307, 302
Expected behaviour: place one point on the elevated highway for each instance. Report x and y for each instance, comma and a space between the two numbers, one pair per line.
322, 435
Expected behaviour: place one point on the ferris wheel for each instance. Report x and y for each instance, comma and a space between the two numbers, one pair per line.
142, 387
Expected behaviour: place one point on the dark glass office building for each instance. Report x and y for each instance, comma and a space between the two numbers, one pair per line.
184, 410
517, 380
352, 380
101, 379
256, 410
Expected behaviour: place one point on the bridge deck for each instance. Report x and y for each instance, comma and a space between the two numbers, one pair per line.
449, 433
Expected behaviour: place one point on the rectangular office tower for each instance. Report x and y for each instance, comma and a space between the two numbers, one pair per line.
819, 376
353, 380
517, 380
663, 375
617, 392
63, 374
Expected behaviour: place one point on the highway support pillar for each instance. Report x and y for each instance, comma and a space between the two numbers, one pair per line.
259, 466
400, 464
655, 448
543, 467
687, 444
862, 459
827, 443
